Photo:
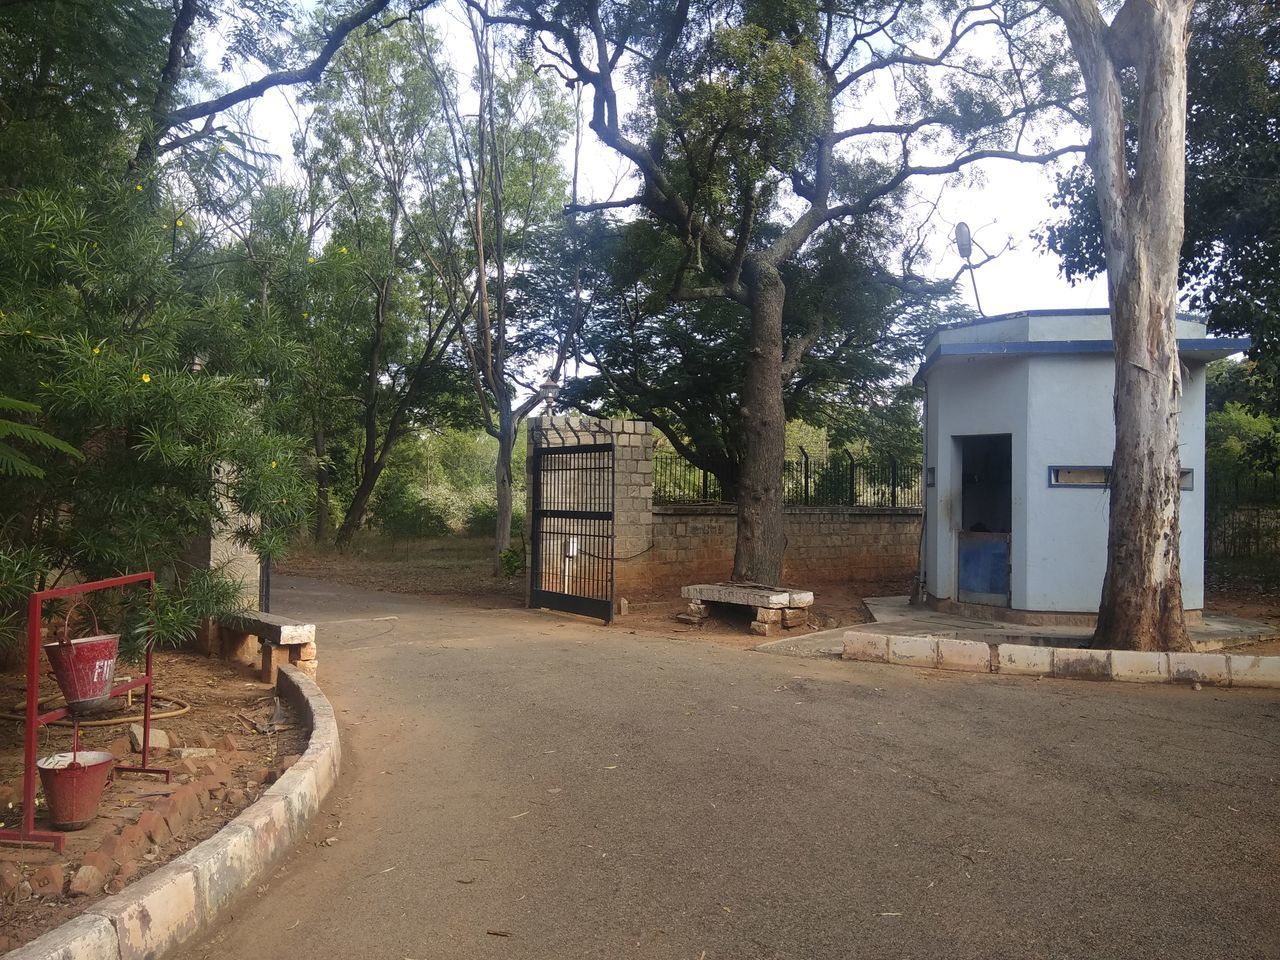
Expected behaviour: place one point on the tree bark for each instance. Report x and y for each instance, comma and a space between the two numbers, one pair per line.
758, 553
1142, 218
502, 485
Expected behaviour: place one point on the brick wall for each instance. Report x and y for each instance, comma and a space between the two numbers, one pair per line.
824, 544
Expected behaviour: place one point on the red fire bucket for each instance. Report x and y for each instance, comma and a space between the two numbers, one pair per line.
73, 785
85, 668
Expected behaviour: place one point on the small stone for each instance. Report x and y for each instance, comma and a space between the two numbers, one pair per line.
114, 849
699, 610
175, 740
764, 629
237, 798
116, 885
87, 881
10, 877
1196, 686
308, 668
24, 892
159, 739
134, 840
768, 615
691, 619
202, 739
302, 651
128, 870
265, 776
285, 762
48, 881
795, 617
100, 860
187, 767
120, 747
193, 753
227, 742
154, 826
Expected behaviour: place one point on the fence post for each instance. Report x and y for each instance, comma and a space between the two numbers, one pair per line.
893, 481
804, 457
853, 480
706, 491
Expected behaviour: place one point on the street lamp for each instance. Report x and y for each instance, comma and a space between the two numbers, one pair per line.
549, 391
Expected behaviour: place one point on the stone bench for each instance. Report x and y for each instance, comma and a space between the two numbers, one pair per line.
774, 606
280, 639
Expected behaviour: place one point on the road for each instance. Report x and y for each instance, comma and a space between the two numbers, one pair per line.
526, 785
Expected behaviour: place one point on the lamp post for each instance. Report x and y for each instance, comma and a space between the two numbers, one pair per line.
548, 392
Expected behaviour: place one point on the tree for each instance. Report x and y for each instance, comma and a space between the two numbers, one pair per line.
1140, 194
509, 193
1230, 247
752, 136
682, 365
378, 146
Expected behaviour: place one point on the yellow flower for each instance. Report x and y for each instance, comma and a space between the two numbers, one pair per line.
273, 464
178, 222
311, 259
146, 378
342, 249
27, 332
96, 351
138, 187
305, 315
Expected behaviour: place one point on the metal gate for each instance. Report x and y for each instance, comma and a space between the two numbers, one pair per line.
571, 562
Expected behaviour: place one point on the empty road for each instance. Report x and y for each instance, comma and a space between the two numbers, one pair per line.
526, 785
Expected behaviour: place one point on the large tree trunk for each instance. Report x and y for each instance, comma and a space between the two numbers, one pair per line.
502, 478
757, 556
1142, 219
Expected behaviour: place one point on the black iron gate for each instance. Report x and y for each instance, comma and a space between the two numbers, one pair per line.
571, 563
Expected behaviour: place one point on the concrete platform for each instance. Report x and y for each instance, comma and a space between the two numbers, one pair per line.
894, 616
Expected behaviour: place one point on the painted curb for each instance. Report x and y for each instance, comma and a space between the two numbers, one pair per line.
184, 898
1064, 663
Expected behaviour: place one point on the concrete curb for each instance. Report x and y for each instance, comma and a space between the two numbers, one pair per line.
184, 898
1069, 663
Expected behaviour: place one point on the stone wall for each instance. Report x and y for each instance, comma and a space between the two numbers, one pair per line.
660, 548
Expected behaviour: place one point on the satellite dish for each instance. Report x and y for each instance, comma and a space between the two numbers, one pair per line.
964, 240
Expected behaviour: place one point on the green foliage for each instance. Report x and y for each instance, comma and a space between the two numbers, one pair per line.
512, 561
1231, 246
12, 461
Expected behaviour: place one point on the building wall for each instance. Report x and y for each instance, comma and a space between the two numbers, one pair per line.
1070, 401
979, 395
1058, 409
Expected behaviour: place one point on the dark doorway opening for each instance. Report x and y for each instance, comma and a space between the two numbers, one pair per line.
986, 519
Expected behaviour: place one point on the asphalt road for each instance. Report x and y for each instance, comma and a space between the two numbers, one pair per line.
526, 785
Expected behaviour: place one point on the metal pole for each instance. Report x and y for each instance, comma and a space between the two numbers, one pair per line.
804, 459
893, 481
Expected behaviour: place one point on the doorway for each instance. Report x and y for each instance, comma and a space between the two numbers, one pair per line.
986, 519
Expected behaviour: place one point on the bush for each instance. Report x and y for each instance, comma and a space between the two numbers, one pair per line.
482, 519
401, 512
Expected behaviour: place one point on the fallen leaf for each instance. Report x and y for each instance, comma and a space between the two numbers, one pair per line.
498, 933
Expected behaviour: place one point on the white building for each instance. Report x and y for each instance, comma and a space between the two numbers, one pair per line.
1018, 443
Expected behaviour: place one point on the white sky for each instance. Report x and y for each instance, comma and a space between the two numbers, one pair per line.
1008, 205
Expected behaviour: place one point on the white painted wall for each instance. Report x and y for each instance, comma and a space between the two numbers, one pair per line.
965, 397
1058, 408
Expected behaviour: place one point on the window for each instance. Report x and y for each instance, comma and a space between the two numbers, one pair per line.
1100, 477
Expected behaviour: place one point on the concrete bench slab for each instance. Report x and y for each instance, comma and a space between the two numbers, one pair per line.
268, 626
748, 595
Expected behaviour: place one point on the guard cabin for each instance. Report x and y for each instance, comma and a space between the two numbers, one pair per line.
1018, 443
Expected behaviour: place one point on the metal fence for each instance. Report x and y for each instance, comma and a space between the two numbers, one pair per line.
1242, 518
836, 480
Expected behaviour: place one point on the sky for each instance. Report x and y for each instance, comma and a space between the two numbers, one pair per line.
1008, 204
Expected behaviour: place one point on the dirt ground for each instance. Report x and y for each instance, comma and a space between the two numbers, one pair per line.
219, 694
459, 568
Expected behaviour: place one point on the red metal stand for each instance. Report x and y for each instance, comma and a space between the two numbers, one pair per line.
27, 832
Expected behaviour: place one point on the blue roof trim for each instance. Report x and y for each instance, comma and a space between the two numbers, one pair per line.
1220, 346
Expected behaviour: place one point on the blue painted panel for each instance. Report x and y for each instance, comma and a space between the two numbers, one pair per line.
983, 563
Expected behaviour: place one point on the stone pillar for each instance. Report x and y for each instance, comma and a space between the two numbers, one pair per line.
632, 505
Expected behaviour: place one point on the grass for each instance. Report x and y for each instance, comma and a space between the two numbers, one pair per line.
449, 566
